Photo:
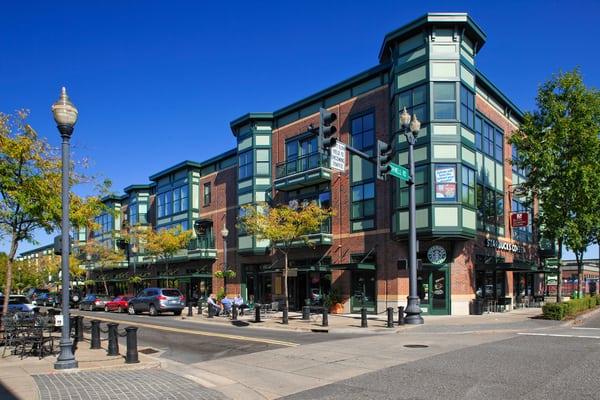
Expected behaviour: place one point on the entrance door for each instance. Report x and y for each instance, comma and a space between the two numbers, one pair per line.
363, 292
433, 290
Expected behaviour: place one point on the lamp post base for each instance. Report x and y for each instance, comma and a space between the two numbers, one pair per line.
66, 359
413, 312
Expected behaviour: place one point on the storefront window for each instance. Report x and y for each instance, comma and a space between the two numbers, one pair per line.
445, 182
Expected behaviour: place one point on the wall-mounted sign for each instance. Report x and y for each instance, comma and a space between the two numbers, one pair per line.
436, 254
519, 219
338, 157
445, 182
498, 245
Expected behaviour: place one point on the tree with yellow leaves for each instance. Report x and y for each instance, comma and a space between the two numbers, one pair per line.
163, 244
282, 226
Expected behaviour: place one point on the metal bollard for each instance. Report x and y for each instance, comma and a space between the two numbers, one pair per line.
95, 343
131, 357
285, 316
257, 313
190, 312
363, 317
400, 315
306, 313
199, 307
113, 339
390, 317
325, 321
79, 328
72, 326
210, 311
234, 312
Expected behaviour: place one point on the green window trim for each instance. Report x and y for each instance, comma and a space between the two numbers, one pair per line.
490, 210
207, 194
444, 101
245, 164
421, 188
468, 186
467, 107
415, 101
362, 191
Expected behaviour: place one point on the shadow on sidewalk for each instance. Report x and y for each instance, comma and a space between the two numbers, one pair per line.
6, 394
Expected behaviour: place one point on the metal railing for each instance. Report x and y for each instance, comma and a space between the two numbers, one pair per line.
301, 164
202, 242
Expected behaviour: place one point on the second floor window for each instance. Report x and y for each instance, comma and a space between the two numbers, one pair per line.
415, 101
245, 165
363, 131
133, 213
301, 154
467, 107
490, 210
207, 194
444, 97
180, 199
164, 204
363, 201
105, 223
468, 186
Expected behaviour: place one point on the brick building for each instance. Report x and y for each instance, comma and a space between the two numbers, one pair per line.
464, 188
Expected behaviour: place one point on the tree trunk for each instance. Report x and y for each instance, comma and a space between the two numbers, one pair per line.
104, 281
285, 281
167, 270
579, 259
14, 244
559, 279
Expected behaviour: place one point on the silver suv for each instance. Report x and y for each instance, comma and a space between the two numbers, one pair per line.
156, 301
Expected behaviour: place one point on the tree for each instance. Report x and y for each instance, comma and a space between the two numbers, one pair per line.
30, 181
282, 226
558, 144
104, 257
165, 243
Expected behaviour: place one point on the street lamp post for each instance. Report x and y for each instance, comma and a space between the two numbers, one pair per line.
411, 128
65, 115
224, 234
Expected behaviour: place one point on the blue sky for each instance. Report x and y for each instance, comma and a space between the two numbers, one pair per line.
158, 82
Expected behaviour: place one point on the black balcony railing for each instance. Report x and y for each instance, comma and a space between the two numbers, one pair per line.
301, 164
202, 242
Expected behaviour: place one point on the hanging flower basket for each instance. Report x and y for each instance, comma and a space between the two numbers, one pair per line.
225, 274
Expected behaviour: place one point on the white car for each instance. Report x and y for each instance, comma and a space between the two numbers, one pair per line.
18, 303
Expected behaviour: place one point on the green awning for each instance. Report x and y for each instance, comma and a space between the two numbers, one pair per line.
517, 266
325, 268
355, 266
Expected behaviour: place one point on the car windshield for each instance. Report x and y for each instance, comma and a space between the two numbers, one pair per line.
171, 292
17, 300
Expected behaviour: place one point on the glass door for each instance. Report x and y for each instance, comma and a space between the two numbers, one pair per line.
433, 290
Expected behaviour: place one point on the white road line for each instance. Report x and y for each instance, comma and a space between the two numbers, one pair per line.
583, 327
558, 335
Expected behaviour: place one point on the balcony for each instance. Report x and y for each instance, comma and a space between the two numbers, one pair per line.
307, 170
323, 237
202, 247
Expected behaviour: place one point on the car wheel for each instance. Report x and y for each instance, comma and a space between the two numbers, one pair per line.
177, 312
131, 310
91, 308
152, 310
121, 310
106, 309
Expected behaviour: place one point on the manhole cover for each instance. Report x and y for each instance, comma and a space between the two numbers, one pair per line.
416, 346
148, 351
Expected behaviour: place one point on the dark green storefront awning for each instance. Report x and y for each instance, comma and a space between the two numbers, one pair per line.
355, 266
517, 266
325, 268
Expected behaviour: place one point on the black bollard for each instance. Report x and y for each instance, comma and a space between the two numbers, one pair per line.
325, 321
199, 307
79, 328
234, 312
73, 326
257, 313
400, 315
95, 343
285, 316
363, 317
131, 356
190, 312
113, 339
390, 317
306, 313
210, 311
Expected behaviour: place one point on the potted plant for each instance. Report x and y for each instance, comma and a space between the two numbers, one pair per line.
334, 302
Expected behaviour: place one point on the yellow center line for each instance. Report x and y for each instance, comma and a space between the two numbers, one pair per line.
202, 333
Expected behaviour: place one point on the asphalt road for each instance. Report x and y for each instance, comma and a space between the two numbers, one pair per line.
557, 363
190, 342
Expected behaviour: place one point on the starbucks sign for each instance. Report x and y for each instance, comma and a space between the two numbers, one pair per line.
436, 254
498, 245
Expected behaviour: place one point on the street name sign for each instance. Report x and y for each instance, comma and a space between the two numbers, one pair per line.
399, 172
338, 157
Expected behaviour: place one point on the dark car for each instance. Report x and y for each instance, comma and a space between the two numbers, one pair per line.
33, 293
157, 300
74, 298
46, 299
18, 303
93, 302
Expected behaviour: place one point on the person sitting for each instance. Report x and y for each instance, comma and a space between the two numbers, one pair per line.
227, 304
239, 302
213, 306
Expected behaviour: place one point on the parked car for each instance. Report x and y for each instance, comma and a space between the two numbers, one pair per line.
33, 293
18, 303
156, 301
74, 298
119, 303
93, 302
46, 299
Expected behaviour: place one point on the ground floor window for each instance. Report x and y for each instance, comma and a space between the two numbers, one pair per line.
490, 284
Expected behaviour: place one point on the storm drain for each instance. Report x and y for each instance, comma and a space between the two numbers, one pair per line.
416, 346
149, 350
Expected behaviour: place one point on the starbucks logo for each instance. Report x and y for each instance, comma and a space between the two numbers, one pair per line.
436, 255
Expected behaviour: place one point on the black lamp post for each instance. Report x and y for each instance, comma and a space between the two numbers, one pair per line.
411, 127
65, 115
224, 234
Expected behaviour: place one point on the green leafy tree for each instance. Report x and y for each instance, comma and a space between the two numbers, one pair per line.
282, 226
558, 144
103, 258
30, 182
165, 243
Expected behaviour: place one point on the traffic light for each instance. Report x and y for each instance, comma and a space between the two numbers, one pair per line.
326, 130
383, 158
58, 245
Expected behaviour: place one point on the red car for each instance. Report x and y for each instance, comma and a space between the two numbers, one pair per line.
119, 304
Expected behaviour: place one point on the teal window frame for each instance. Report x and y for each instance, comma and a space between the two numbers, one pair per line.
415, 100
362, 198
363, 137
133, 212
206, 192
246, 165
444, 103
490, 209
467, 107
180, 199
468, 186
422, 193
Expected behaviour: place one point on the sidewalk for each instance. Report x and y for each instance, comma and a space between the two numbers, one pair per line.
351, 323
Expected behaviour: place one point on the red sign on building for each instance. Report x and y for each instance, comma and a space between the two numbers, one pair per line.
518, 219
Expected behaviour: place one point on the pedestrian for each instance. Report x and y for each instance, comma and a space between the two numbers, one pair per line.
212, 304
